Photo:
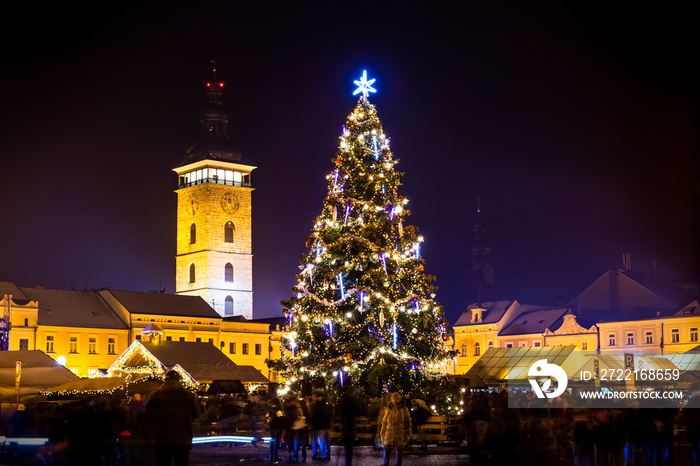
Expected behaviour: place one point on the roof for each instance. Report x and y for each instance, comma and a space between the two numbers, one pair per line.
663, 289
689, 361
171, 353
11, 288
39, 371
74, 309
273, 322
692, 309
219, 387
99, 384
202, 361
640, 313
494, 312
207, 373
500, 364
534, 322
164, 304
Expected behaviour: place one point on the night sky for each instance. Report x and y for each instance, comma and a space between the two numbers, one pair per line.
575, 125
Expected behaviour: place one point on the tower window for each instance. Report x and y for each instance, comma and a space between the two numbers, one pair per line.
228, 306
464, 350
228, 232
23, 344
191, 273
193, 233
228, 273
477, 349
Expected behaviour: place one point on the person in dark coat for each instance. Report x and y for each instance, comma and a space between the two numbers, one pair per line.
170, 412
21, 421
276, 423
419, 416
321, 414
348, 408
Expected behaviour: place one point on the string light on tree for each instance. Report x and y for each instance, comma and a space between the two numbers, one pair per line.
362, 276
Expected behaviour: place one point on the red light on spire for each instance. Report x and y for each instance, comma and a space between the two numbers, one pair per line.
221, 84
208, 84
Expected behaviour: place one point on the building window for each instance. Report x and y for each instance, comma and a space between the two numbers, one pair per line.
537, 344
23, 344
191, 273
111, 345
138, 337
258, 349
228, 232
477, 349
211, 340
232, 348
168, 338
193, 233
584, 346
26, 322
649, 338
464, 350
49, 343
694, 334
182, 338
245, 348
73, 347
92, 345
228, 306
198, 340
228, 273
509, 345
675, 335
490, 343
611, 340
630, 338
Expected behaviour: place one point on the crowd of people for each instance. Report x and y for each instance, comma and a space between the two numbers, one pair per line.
500, 427
115, 429
295, 422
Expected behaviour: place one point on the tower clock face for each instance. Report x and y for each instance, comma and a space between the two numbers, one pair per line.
230, 203
193, 204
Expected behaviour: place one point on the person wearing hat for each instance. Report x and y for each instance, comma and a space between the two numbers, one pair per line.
170, 412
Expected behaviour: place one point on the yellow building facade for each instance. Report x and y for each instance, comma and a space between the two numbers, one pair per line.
625, 312
87, 330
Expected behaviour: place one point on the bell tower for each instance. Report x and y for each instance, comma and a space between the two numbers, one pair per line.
214, 257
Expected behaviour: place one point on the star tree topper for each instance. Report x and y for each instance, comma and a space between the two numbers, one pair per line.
364, 86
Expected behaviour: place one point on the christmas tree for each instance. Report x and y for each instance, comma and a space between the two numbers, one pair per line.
363, 310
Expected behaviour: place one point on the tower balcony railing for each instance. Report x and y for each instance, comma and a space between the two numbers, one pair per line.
215, 180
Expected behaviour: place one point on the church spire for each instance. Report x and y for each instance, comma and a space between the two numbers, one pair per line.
481, 252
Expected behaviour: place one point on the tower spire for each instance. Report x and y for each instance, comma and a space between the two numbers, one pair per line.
213, 118
481, 254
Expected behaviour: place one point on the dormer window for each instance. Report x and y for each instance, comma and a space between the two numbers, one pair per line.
478, 315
